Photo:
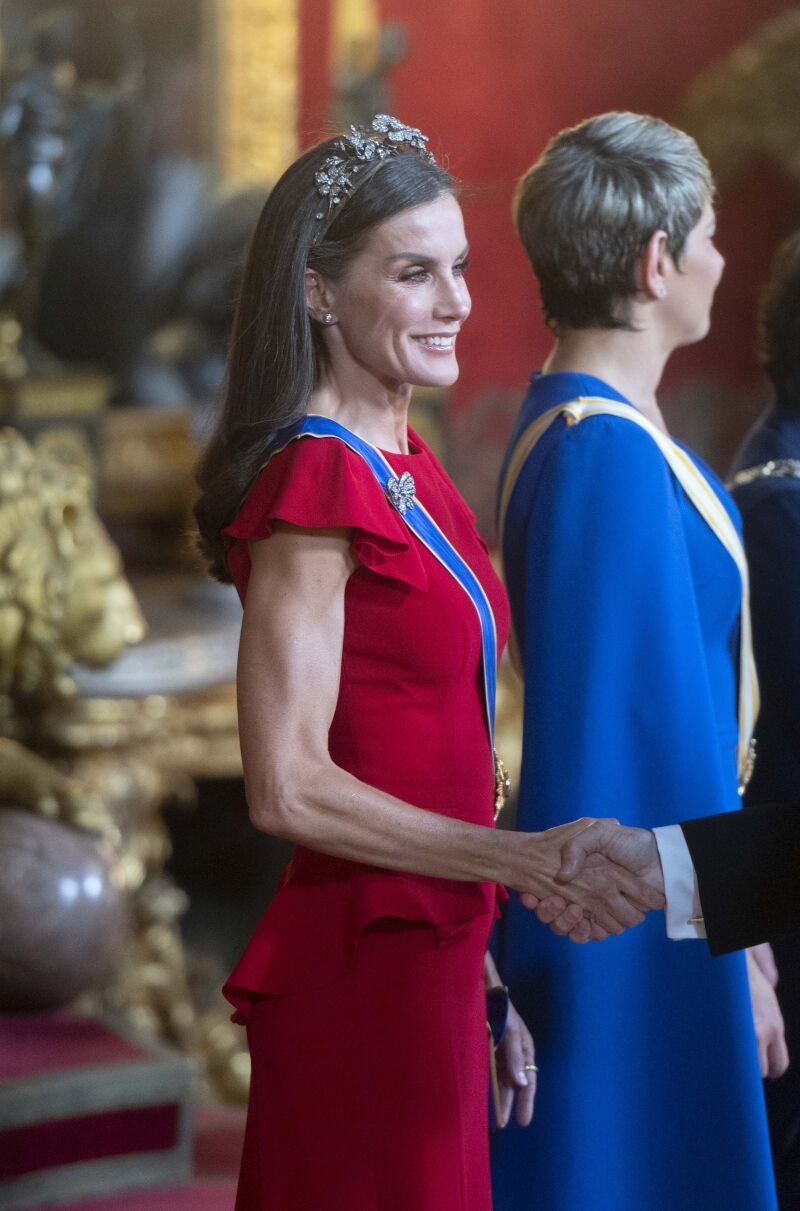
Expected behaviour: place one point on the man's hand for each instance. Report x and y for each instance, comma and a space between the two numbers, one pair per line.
603, 846
767, 1018
764, 959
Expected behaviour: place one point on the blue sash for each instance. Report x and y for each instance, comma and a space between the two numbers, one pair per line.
422, 525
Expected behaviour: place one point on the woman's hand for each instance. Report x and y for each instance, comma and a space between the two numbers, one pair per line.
514, 1052
767, 1020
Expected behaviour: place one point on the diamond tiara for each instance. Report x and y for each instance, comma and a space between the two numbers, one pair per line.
385, 137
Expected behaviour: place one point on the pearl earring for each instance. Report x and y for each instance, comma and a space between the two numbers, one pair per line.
661, 290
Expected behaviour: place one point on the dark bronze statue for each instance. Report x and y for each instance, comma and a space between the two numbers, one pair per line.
35, 117
60, 131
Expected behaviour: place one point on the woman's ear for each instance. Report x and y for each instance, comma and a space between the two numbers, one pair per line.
319, 296
653, 266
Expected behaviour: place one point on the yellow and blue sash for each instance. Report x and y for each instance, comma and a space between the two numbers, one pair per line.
401, 495
704, 499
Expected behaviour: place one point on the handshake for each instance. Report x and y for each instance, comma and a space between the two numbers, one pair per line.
593, 878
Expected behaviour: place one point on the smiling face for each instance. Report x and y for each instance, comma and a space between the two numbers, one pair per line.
690, 292
401, 305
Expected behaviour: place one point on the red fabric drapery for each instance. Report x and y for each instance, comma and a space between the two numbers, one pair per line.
491, 82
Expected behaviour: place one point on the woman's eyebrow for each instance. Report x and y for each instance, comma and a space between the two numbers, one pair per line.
422, 258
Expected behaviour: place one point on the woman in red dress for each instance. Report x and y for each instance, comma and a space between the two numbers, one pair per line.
362, 700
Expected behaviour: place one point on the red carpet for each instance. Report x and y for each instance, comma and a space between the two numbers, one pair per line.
35, 1043
199, 1196
80, 1101
218, 1134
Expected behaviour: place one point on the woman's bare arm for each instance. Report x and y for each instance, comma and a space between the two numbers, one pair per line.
289, 668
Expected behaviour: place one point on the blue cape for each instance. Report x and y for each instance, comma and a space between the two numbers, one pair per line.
626, 610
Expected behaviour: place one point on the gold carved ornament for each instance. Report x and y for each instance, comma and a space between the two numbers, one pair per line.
255, 48
93, 764
64, 600
744, 107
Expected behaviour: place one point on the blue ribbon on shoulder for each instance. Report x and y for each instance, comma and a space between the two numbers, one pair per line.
422, 525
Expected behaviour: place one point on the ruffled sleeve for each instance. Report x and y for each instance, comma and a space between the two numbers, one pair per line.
319, 483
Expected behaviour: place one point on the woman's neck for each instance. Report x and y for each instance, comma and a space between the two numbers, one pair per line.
631, 362
380, 416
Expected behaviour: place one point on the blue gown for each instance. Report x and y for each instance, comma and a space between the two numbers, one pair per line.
626, 610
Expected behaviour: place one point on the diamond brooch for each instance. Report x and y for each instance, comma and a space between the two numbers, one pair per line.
401, 491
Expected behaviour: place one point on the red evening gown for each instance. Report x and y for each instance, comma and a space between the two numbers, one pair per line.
361, 988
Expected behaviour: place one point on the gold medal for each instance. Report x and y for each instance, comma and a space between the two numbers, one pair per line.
747, 771
502, 784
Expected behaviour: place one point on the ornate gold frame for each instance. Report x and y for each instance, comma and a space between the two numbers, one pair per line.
254, 51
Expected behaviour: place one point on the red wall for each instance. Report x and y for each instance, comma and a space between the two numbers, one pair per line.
315, 70
492, 80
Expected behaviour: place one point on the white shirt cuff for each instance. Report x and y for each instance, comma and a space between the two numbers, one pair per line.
683, 912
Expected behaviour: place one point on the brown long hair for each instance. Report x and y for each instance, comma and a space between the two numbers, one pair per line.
276, 351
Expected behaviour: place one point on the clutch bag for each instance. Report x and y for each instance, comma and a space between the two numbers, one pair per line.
496, 1020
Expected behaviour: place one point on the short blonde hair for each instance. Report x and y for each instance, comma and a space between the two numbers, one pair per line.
586, 209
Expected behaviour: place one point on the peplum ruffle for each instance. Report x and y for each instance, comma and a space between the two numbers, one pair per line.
308, 936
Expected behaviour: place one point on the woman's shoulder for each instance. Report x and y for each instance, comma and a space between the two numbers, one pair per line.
321, 484
311, 476
548, 399
601, 449
623, 435
602, 474
308, 457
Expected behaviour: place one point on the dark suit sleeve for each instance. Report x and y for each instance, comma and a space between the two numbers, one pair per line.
748, 874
